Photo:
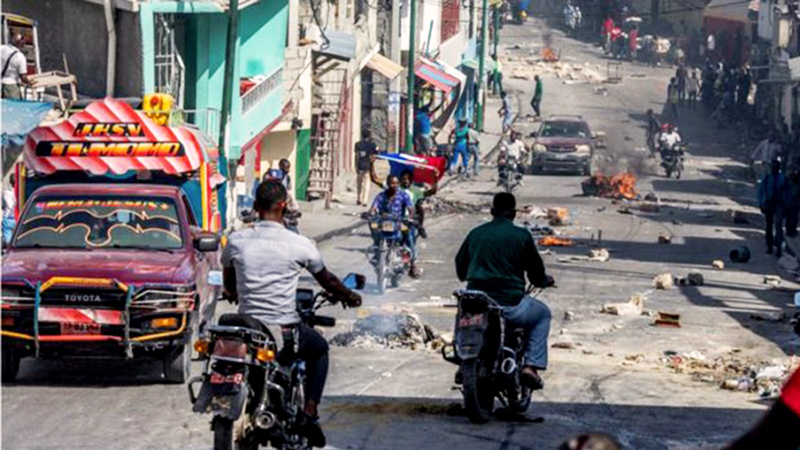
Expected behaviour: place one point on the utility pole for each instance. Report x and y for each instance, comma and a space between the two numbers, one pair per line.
412, 27
481, 67
396, 84
227, 89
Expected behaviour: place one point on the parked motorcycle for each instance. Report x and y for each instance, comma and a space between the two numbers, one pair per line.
392, 256
254, 399
490, 356
672, 159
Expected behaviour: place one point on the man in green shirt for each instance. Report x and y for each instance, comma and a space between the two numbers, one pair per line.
494, 258
536, 101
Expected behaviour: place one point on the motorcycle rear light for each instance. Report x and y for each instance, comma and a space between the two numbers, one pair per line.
230, 348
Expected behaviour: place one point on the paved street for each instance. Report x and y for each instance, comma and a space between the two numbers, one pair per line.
402, 399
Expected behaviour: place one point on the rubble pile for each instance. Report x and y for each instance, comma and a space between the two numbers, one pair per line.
734, 373
397, 330
527, 68
437, 206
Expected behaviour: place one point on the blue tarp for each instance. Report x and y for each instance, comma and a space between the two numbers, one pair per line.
20, 118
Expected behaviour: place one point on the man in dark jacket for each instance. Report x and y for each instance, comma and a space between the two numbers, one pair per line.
494, 258
772, 193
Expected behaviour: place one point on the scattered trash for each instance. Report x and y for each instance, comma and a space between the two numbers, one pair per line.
537, 230
553, 241
599, 255
635, 357
558, 216
737, 217
664, 319
740, 254
664, 281
649, 207
772, 279
718, 264
566, 345
651, 197
695, 279
438, 206
770, 316
569, 316
771, 373
633, 307
624, 210
665, 239
573, 258
621, 185
535, 212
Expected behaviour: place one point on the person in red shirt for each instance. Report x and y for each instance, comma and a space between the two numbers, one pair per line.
778, 429
633, 38
605, 33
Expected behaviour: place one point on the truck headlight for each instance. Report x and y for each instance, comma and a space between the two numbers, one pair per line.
583, 148
539, 148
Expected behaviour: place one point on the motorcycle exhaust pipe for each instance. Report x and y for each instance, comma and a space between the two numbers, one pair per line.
508, 366
265, 420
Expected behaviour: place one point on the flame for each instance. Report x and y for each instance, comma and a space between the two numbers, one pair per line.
549, 55
553, 241
621, 185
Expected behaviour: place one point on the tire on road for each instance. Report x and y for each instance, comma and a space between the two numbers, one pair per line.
178, 362
478, 395
227, 434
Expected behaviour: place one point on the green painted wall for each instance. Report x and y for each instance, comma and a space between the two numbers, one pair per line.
303, 163
260, 51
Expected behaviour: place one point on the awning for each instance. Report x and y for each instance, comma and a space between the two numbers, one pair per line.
340, 44
109, 136
474, 64
20, 118
384, 66
435, 74
732, 10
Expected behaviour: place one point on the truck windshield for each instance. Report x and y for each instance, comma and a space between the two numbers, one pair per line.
565, 129
100, 222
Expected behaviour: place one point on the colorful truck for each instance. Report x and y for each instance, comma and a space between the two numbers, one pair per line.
115, 249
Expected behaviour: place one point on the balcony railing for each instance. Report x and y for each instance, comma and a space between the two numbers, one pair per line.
260, 91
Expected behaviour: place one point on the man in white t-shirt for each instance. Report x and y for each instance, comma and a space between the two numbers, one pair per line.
14, 68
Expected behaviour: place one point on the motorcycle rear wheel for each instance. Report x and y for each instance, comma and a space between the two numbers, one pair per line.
228, 434
478, 394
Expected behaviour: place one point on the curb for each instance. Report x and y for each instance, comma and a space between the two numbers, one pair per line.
328, 235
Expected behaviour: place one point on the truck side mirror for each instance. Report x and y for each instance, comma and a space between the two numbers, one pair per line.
206, 242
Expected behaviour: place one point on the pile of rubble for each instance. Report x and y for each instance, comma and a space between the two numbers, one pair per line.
527, 68
734, 373
403, 330
437, 206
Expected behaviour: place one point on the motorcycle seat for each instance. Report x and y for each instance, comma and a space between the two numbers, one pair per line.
242, 320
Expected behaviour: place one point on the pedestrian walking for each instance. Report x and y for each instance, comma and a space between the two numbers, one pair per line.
506, 112
605, 34
692, 89
475, 150
497, 76
423, 131
772, 193
9, 205
536, 101
793, 203
681, 75
15, 68
366, 150
767, 151
633, 43
460, 138
672, 98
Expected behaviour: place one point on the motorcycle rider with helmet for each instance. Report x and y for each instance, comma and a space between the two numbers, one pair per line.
495, 258
261, 266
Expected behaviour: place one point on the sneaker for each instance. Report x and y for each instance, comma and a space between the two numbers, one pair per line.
531, 379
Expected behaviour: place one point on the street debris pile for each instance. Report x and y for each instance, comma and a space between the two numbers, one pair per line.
664, 281
594, 255
619, 186
438, 206
733, 373
400, 329
548, 64
633, 307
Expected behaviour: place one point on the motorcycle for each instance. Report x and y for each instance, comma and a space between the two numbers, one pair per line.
254, 399
509, 175
672, 159
392, 256
490, 357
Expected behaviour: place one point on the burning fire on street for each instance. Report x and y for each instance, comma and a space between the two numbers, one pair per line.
549, 55
619, 186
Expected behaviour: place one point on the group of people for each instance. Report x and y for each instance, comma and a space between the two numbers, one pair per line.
573, 17
618, 43
725, 88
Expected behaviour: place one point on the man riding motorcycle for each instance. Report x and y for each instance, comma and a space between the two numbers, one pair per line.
494, 258
668, 139
262, 267
397, 202
513, 153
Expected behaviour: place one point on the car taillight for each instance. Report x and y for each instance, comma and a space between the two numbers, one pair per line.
230, 348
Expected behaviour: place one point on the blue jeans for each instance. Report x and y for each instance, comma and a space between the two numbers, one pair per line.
534, 316
8, 228
460, 149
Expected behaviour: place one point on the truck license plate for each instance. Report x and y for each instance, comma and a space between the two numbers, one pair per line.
80, 321
80, 328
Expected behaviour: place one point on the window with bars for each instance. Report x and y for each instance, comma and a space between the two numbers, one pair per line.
450, 19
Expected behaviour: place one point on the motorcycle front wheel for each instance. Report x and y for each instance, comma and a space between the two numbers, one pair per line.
381, 272
477, 391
